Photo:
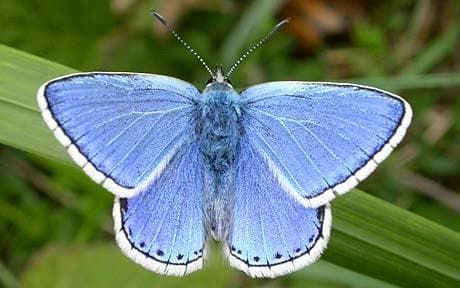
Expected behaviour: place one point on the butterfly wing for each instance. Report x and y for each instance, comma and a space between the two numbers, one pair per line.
121, 128
321, 139
161, 228
271, 234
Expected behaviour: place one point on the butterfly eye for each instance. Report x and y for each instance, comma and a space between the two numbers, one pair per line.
210, 81
228, 81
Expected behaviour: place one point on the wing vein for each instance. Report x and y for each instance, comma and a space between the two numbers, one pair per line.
117, 103
357, 125
340, 135
306, 154
175, 138
264, 240
323, 94
179, 214
108, 121
135, 146
316, 124
327, 148
269, 201
154, 239
117, 136
276, 156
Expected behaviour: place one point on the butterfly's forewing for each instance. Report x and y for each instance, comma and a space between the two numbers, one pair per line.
162, 227
271, 234
121, 128
321, 139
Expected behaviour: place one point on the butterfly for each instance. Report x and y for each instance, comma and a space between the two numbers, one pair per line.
254, 169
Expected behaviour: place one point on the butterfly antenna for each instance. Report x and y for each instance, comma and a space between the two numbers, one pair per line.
257, 45
186, 45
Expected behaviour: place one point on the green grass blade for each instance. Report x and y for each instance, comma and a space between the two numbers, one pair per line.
19, 70
250, 21
439, 80
326, 272
392, 243
441, 48
7, 279
74, 267
369, 236
104, 266
21, 125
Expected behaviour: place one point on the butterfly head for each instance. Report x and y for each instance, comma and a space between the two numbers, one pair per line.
219, 77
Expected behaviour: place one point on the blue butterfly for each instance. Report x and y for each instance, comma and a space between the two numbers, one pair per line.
255, 170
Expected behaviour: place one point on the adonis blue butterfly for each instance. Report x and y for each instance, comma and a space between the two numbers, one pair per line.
255, 170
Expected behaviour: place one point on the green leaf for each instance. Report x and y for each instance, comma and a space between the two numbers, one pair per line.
74, 266
381, 240
369, 236
105, 266
21, 125
326, 272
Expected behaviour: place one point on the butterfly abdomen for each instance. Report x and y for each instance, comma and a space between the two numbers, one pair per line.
218, 132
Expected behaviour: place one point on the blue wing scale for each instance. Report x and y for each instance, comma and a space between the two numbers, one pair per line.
161, 228
117, 126
271, 234
321, 139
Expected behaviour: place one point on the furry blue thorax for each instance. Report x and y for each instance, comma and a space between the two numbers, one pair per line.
218, 130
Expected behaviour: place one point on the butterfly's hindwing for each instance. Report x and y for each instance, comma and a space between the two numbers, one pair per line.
321, 139
271, 234
121, 128
162, 227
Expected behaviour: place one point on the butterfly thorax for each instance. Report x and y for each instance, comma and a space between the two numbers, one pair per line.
218, 127
218, 132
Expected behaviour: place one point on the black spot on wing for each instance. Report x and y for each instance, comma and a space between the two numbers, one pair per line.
278, 257
151, 253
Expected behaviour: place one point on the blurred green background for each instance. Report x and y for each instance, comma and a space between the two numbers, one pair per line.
56, 224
